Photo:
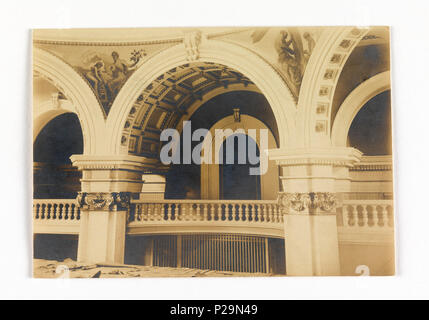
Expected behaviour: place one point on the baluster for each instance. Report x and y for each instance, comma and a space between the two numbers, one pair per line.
275, 214
279, 213
218, 215
385, 215
169, 217
66, 211
249, 216
60, 211
183, 212
271, 212
355, 215
198, 212
364, 215
72, 212
205, 212
265, 213
160, 208
211, 211
54, 211
257, 213
240, 212
149, 212
49, 209
35, 213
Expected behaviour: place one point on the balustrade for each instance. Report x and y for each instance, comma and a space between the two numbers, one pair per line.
258, 211
56, 209
367, 214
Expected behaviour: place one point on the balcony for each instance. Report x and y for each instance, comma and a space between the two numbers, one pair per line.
250, 217
56, 216
359, 221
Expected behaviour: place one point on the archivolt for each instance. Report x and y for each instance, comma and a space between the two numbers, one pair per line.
77, 92
212, 51
354, 102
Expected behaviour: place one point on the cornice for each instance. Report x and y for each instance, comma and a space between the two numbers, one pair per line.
119, 162
108, 43
316, 156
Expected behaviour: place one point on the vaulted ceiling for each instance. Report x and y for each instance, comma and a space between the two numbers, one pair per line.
173, 97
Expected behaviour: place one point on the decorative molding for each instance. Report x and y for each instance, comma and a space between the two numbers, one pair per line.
192, 41
210, 52
94, 43
307, 202
346, 157
372, 167
354, 102
102, 201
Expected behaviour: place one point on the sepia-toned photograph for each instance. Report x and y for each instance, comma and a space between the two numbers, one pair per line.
212, 152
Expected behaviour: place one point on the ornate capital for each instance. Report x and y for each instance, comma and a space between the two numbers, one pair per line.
311, 203
192, 41
104, 200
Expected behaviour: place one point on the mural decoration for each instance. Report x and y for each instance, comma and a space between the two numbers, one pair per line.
292, 57
104, 67
287, 49
106, 76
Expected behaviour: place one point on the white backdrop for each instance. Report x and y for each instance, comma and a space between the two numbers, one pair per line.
410, 55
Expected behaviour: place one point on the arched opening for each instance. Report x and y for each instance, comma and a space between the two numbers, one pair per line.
235, 179
370, 131
54, 176
183, 181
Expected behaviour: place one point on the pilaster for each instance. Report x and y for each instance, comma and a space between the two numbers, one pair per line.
311, 181
108, 183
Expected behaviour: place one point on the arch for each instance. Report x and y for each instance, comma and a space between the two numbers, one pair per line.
243, 60
354, 102
210, 172
77, 91
319, 82
47, 111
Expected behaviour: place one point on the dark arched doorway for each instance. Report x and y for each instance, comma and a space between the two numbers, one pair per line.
370, 131
235, 181
54, 176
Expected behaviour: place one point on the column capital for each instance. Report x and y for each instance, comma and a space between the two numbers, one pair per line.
313, 203
104, 201
336, 156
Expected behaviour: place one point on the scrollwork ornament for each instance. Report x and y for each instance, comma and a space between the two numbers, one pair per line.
104, 200
300, 202
122, 200
326, 201
99, 201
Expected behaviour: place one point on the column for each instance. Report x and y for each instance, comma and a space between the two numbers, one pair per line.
311, 181
108, 183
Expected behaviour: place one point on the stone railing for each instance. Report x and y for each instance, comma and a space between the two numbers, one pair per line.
252, 211
56, 216
373, 214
